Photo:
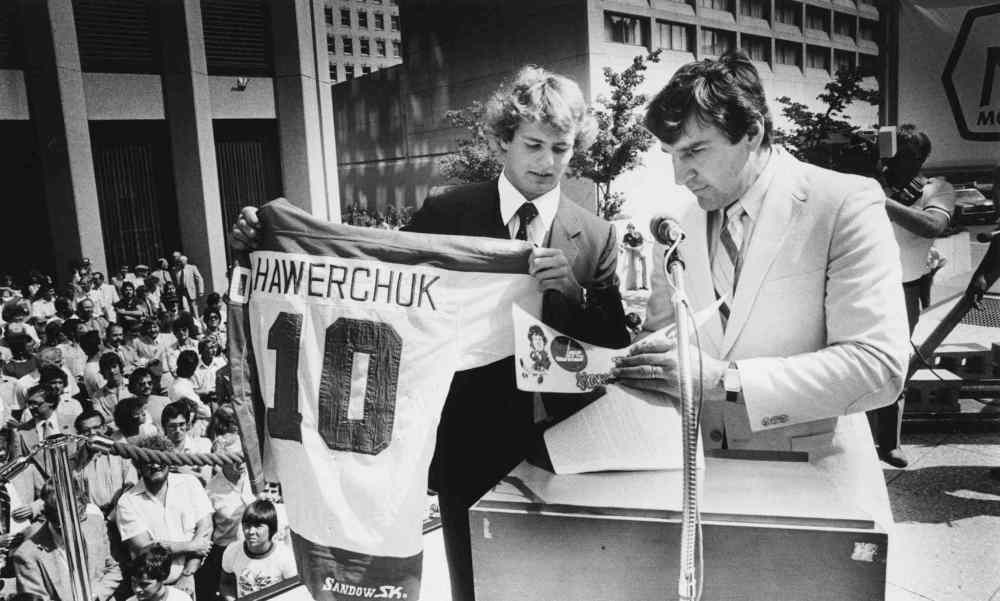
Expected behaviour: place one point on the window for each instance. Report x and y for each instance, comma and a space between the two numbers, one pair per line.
380, 47
726, 5
397, 48
376, 1
675, 36
366, 69
818, 57
843, 24
394, 22
817, 18
866, 30
757, 48
366, 48
345, 17
756, 9
362, 19
868, 64
333, 71
623, 29
843, 59
788, 12
788, 53
716, 42
348, 71
331, 44
379, 21
348, 45
328, 15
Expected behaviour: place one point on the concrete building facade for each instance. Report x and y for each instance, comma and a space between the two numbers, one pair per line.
130, 129
362, 36
391, 125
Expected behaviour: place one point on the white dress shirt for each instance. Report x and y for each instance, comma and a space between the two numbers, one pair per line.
511, 200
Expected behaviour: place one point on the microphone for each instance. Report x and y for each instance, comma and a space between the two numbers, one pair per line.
987, 236
666, 230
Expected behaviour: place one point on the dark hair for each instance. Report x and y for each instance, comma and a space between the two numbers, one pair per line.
725, 93
212, 311
87, 414
134, 377
147, 324
223, 421
187, 363
39, 389
47, 373
125, 418
184, 321
62, 305
174, 410
69, 327
90, 342
151, 563
536, 330
260, 512
912, 142
212, 298
109, 360
53, 329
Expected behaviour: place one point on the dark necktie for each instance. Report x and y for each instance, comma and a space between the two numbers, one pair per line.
526, 213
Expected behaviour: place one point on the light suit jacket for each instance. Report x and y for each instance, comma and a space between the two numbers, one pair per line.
817, 326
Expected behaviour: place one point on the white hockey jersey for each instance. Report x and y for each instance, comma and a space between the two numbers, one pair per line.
355, 334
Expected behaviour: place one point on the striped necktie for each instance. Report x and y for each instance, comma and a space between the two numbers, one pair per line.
727, 261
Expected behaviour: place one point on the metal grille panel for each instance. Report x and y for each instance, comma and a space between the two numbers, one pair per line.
116, 36
237, 37
988, 316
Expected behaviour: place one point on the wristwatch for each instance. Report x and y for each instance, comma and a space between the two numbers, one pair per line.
731, 382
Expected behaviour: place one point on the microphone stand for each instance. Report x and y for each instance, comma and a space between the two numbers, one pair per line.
56, 452
688, 587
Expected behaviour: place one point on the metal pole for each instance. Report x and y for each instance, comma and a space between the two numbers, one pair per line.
57, 452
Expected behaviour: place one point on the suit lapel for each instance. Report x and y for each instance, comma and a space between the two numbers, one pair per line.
482, 217
566, 227
780, 208
698, 268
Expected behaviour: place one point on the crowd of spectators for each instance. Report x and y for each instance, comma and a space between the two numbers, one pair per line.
137, 357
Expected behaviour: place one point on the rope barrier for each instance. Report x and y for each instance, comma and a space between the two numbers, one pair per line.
172, 458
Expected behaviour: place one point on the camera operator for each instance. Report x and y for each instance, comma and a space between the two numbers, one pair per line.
920, 209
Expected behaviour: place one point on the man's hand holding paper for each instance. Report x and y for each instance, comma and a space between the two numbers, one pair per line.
651, 364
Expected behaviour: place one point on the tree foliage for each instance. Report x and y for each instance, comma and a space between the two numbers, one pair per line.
476, 159
826, 138
621, 138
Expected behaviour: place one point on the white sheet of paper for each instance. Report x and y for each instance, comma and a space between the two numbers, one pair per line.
626, 429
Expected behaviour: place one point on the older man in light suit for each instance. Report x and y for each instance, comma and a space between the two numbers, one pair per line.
803, 267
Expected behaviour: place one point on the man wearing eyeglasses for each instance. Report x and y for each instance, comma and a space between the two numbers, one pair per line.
170, 509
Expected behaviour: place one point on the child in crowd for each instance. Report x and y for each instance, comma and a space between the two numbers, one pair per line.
150, 569
256, 562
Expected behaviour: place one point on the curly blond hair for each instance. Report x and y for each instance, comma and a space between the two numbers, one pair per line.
540, 96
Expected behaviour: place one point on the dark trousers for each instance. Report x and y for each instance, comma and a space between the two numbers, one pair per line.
887, 422
206, 579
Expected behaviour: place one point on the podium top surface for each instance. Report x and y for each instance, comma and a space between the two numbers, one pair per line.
732, 490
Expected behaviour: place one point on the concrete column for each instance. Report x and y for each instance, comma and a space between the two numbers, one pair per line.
187, 103
58, 107
304, 107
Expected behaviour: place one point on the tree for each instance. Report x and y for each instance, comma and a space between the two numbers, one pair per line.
828, 138
475, 160
621, 138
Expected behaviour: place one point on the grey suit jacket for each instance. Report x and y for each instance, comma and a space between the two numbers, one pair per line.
41, 566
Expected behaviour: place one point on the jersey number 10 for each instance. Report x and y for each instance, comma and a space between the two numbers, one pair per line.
355, 413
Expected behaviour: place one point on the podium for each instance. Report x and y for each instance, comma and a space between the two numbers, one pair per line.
773, 529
